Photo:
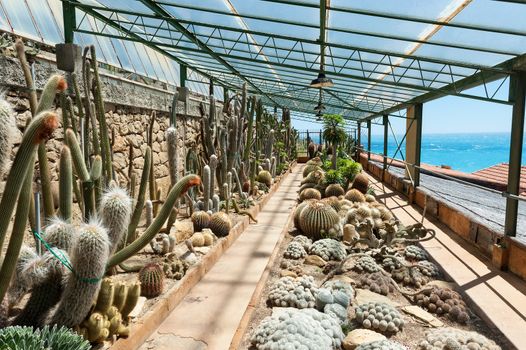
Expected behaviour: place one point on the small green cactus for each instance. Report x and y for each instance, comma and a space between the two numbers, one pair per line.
115, 211
319, 220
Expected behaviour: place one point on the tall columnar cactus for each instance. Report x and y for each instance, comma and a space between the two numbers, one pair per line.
46, 293
39, 130
269, 145
216, 201
206, 187
177, 191
134, 291
148, 206
273, 166
65, 184
173, 157
60, 234
209, 128
9, 263
227, 197
99, 103
7, 133
213, 168
242, 194
139, 205
319, 220
250, 133
89, 257
115, 211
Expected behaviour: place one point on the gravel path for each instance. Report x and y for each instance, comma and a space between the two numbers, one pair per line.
486, 207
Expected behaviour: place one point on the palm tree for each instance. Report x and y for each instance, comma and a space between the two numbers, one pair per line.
334, 133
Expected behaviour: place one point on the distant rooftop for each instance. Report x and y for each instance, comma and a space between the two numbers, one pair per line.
499, 173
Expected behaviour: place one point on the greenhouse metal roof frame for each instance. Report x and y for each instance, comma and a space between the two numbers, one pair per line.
375, 72
380, 59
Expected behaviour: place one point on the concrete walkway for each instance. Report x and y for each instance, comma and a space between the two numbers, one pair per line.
498, 297
209, 315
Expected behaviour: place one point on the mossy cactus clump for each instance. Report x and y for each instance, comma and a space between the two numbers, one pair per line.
295, 251
380, 317
328, 249
319, 220
162, 244
452, 338
60, 234
376, 282
391, 264
151, 277
341, 291
89, 258
381, 345
297, 292
305, 241
309, 193
7, 133
220, 224
427, 268
410, 276
412, 252
354, 195
361, 183
298, 329
444, 301
366, 264
200, 220
115, 212
265, 177
335, 190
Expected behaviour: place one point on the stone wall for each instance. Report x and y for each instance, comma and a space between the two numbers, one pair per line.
128, 119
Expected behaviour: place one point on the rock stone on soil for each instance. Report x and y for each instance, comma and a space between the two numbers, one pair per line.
288, 273
315, 260
364, 296
422, 315
360, 336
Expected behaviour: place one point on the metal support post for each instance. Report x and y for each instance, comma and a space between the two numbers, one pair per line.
414, 142
517, 96
211, 87
359, 141
369, 140
70, 21
183, 75
386, 137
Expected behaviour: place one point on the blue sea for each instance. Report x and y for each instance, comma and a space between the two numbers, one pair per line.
463, 152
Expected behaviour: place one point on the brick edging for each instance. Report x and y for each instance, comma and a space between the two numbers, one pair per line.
144, 327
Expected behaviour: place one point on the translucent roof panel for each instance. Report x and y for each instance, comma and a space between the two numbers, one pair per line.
381, 55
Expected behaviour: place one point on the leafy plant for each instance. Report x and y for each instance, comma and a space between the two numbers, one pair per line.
334, 133
334, 177
349, 169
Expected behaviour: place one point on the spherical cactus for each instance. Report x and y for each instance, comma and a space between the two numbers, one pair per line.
334, 190
220, 224
314, 177
208, 237
298, 210
7, 133
151, 277
89, 258
115, 212
369, 198
200, 220
334, 202
318, 220
60, 234
310, 168
198, 239
265, 177
354, 195
315, 161
380, 317
361, 183
309, 193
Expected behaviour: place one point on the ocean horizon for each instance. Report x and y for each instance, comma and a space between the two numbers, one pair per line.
467, 152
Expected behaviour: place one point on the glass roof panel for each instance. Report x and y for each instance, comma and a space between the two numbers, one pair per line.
45, 21
20, 18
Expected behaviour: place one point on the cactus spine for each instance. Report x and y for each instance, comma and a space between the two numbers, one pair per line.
178, 190
115, 211
65, 184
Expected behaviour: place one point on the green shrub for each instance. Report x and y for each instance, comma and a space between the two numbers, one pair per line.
334, 177
349, 169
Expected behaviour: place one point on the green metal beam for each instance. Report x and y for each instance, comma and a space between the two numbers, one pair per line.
455, 24
518, 97
285, 37
369, 140
338, 29
183, 75
70, 23
385, 123
156, 8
